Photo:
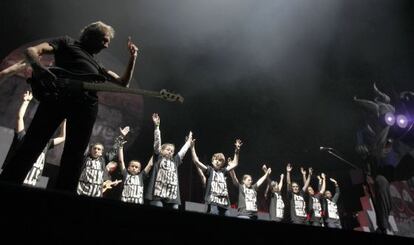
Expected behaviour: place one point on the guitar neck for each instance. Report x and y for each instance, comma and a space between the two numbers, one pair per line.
110, 87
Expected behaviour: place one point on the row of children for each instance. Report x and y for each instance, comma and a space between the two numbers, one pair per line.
306, 206
162, 185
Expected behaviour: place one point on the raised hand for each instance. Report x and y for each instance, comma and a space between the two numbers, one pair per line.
264, 168
238, 144
310, 170
323, 175
124, 131
27, 96
333, 181
302, 170
288, 168
132, 48
269, 171
156, 119
189, 137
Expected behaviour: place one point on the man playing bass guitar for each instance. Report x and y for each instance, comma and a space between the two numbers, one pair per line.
78, 107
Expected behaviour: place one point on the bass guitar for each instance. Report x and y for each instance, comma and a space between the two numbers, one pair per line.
69, 82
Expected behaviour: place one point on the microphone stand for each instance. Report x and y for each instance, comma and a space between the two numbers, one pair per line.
342, 159
367, 187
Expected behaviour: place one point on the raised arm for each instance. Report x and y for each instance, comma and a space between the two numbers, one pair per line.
337, 191
269, 181
263, 178
233, 163
150, 163
194, 156
234, 178
303, 172
264, 169
129, 70
121, 159
281, 181
319, 182
202, 176
27, 97
307, 181
157, 133
186, 146
323, 186
62, 137
288, 180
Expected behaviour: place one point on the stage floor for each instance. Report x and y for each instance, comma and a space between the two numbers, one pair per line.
46, 215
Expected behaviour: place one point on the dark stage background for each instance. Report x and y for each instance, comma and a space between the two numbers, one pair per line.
280, 75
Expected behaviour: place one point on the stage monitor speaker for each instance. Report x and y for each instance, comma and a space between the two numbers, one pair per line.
195, 207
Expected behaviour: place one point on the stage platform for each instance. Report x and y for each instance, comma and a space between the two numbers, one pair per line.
40, 215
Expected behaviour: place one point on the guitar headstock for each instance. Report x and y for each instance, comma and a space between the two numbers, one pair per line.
171, 96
